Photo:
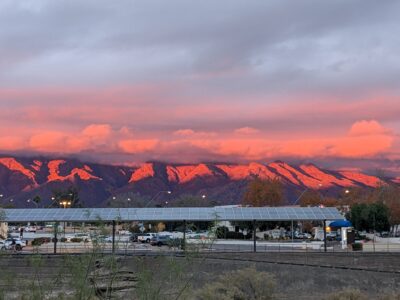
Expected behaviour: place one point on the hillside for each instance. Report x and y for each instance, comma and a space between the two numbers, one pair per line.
23, 178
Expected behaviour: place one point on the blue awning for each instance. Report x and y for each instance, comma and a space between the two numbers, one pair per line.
340, 223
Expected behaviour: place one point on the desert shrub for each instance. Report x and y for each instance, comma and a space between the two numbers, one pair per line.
235, 235
221, 232
244, 284
347, 294
176, 243
248, 236
40, 241
357, 246
393, 296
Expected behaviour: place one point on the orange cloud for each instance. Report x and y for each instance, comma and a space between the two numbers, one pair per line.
377, 141
364, 139
362, 146
97, 131
10, 143
138, 146
50, 141
367, 128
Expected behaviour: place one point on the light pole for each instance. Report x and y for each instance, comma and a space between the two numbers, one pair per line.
156, 195
65, 204
30, 201
298, 199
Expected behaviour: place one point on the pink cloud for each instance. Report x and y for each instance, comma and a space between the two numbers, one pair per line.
363, 140
97, 131
137, 146
367, 128
247, 130
11, 143
50, 141
184, 132
194, 134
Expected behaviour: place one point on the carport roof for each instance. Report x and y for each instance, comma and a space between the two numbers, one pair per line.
170, 214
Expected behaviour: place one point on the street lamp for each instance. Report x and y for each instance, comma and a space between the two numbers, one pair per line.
65, 203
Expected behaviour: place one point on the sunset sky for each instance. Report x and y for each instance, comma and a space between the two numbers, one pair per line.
189, 81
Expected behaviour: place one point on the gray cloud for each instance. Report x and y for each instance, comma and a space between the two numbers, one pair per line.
268, 46
307, 66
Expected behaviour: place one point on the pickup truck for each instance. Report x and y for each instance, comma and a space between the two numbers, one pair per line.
145, 237
10, 243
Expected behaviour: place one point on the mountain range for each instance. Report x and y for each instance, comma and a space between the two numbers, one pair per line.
23, 178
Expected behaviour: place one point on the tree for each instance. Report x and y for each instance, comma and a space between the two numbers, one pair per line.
264, 192
37, 199
311, 198
193, 201
372, 216
71, 195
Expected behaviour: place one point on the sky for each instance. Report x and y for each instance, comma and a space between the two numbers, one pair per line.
125, 82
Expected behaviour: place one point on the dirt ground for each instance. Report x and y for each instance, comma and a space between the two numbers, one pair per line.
298, 275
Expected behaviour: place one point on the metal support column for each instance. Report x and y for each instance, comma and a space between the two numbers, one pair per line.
292, 231
55, 237
184, 235
113, 237
254, 236
324, 235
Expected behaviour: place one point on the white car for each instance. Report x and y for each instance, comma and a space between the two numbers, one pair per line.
30, 229
146, 237
83, 236
124, 232
303, 236
11, 242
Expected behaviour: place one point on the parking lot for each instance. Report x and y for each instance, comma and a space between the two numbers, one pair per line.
78, 240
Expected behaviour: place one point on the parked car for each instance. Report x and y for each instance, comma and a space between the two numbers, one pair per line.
2, 245
99, 238
83, 236
134, 237
30, 229
160, 240
303, 235
145, 237
384, 234
124, 232
331, 236
11, 243
108, 239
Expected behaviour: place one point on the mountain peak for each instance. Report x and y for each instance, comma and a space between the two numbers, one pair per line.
13, 165
54, 172
145, 171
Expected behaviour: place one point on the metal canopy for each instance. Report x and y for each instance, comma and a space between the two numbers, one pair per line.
169, 214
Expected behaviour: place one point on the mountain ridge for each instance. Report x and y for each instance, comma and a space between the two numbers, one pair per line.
22, 178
